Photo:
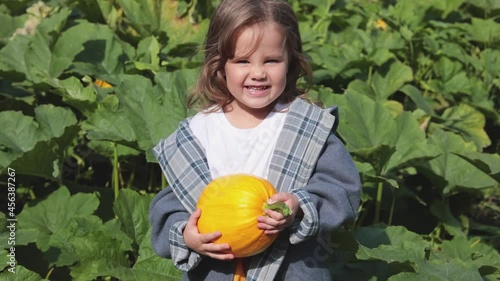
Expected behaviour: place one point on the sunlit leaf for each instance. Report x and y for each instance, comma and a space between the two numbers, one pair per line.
20, 133
387, 81
468, 122
450, 171
131, 210
55, 212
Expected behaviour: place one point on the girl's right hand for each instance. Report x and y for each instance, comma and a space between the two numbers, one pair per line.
203, 243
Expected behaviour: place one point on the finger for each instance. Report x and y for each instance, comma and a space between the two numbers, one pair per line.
221, 256
217, 248
281, 196
272, 231
274, 215
193, 218
210, 237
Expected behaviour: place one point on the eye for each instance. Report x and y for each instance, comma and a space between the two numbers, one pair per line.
241, 61
273, 61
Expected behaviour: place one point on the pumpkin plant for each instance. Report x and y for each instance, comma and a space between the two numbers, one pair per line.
231, 204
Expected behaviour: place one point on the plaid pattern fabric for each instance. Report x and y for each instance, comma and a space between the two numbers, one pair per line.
298, 147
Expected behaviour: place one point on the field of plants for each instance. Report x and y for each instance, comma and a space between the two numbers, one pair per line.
87, 88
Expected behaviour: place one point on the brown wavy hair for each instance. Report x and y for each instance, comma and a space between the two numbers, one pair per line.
230, 18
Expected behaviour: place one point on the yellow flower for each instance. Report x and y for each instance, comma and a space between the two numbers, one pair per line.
102, 84
381, 24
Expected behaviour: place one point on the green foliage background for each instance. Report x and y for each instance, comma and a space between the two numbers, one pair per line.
418, 87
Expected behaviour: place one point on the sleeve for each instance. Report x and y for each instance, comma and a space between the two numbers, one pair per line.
168, 218
332, 194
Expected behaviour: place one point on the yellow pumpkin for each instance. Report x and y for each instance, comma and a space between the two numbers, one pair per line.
231, 205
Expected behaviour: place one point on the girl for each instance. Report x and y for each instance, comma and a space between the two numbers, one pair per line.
254, 121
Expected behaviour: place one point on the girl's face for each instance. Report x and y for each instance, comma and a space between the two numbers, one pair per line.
256, 75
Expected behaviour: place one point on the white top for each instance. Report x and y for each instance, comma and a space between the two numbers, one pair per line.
231, 150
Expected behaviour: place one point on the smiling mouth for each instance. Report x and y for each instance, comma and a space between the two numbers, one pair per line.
252, 88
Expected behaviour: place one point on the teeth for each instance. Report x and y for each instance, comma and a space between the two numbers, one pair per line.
257, 88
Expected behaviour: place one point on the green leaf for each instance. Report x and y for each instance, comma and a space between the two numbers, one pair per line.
46, 159
149, 266
468, 122
438, 270
148, 52
487, 163
55, 212
389, 79
487, 5
484, 30
143, 17
449, 171
357, 126
442, 211
20, 133
88, 247
446, 6
360, 87
32, 54
377, 156
388, 143
131, 209
21, 273
471, 251
390, 244
146, 113
94, 49
412, 147
418, 98
75, 94
9, 25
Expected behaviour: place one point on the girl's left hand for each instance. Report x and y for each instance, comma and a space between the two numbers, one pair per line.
275, 222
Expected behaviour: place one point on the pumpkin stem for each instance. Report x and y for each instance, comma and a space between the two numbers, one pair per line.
279, 207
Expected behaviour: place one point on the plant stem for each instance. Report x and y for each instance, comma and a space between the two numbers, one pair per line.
370, 72
378, 202
116, 183
49, 273
392, 209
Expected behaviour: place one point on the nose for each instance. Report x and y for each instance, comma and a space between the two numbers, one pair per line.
258, 72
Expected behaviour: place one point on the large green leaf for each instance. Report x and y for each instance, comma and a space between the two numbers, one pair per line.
146, 113
390, 244
469, 123
31, 54
131, 209
455, 260
438, 270
365, 123
449, 171
488, 163
74, 93
390, 78
20, 134
9, 25
418, 98
374, 135
484, 30
88, 247
412, 147
149, 266
21, 273
55, 212
442, 211
471, 251
142, 16
446, 6
93, 49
